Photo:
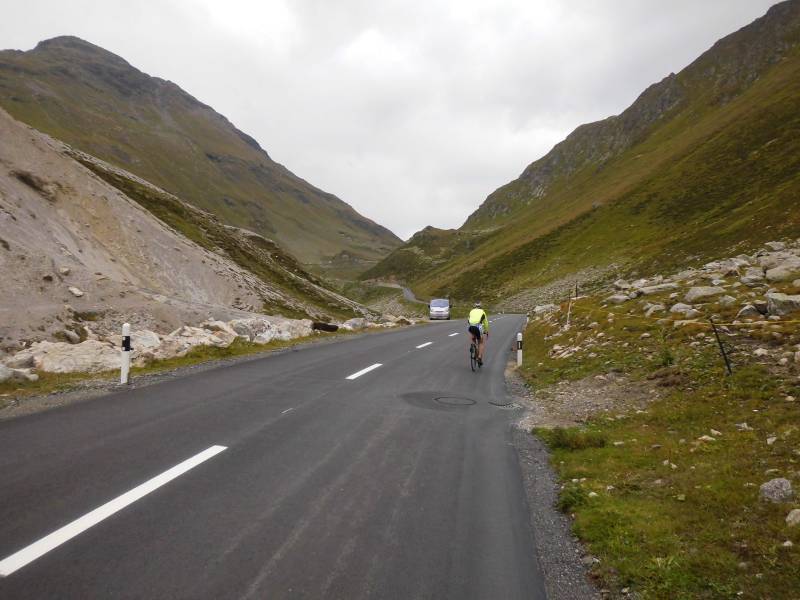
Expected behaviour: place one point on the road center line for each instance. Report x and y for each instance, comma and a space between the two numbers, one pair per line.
59, 536
283, 412
364, 371
452, 334
425, 344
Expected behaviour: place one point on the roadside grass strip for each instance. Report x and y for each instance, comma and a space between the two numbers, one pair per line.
424, 345
358, 374
666, 493
60, 536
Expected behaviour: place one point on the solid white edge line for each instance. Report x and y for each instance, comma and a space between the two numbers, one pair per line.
283, 412
425, 344
64, 534
364, 371
452, 334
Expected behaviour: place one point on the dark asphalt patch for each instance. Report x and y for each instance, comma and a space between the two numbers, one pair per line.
456, 401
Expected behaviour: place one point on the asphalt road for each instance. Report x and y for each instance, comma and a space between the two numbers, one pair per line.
300, 482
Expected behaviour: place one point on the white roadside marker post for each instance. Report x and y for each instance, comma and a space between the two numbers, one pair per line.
519, 349
126, 354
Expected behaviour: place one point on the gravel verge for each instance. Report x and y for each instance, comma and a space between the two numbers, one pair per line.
562, 559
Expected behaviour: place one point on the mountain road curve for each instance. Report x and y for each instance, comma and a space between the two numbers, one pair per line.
374, 467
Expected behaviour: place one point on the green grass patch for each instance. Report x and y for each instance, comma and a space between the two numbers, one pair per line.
668, 515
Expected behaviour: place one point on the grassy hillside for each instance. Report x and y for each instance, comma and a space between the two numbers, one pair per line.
97, 102
719, 166
300, 293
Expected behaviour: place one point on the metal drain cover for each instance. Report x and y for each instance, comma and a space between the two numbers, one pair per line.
454, 401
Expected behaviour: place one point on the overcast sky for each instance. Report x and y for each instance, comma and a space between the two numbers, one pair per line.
413, 112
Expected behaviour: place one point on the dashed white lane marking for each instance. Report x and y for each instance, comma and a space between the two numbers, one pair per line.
283, 412
452, 334
59, 536
425, 344
364, 371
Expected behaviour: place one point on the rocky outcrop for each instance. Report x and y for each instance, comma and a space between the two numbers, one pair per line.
90, 356
702, 293
782, 304
776, 490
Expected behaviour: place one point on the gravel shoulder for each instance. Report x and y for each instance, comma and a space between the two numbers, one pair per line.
564, 562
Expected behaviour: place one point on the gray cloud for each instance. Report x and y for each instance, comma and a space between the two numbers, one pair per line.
411, 112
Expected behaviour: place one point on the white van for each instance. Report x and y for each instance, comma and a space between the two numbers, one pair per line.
439, 308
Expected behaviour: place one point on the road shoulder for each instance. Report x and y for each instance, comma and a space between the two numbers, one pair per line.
563, 560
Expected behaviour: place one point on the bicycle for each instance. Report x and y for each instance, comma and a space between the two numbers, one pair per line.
473, 354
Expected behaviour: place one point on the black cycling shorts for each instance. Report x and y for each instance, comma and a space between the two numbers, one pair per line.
475, 331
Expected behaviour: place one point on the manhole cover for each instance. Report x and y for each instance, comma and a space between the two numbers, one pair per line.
454, 401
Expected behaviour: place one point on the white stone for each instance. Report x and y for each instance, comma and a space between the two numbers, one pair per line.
6, 373
545, 309
782, 304
75, 291
793, 518
776, 490
90, 356
702, 292
657, 289
617, 299
355, 324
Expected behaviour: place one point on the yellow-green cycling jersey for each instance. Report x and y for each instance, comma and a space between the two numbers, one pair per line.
478, 316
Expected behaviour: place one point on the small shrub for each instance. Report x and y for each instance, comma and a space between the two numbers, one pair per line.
571, 497
574, 439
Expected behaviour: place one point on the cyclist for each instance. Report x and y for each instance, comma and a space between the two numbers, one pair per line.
479, 328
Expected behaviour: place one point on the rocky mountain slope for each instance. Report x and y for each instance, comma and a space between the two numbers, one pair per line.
83, 243
703, 161
97, 102
678, 466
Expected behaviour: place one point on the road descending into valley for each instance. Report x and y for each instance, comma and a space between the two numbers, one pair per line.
374, 467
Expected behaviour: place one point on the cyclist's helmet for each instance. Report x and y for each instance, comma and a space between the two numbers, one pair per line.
477, 304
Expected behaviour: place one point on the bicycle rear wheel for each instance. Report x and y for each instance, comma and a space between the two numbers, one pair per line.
473, 356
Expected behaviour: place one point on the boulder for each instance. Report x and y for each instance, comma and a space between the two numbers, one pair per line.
753, 276
617, 299
681, 308
727, 301
776, 246
355, 324
219, 326
658, 288
289, 329
142, 340
621, 284
6, 373
64, 271
782, 304
249, 329
776, 490
785, 271
654, 308
748, 310
75, 291
90, 356
702, 293
793, 518
544, 309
